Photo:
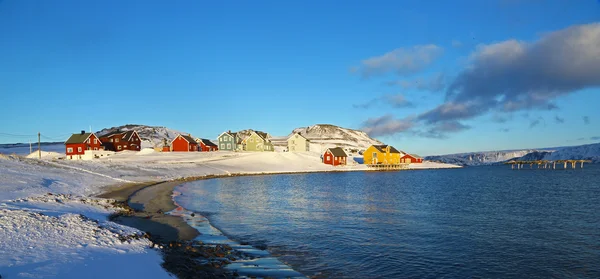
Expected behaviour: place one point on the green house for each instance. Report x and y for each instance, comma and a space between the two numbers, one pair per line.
229, 141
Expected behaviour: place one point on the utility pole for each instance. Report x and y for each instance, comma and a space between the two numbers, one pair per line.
39, 147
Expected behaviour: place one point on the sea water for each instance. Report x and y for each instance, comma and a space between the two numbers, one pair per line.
455, 223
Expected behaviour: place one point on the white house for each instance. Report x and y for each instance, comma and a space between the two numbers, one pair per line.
298, 143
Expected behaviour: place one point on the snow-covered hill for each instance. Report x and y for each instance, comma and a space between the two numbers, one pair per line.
325, 135
582, 152
152, 136
479, 158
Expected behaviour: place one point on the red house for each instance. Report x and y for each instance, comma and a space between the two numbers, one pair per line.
207, 145
184, 144
77, 144
335, 156
119, 141
411, 158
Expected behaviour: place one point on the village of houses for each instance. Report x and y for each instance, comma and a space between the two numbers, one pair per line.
89, 146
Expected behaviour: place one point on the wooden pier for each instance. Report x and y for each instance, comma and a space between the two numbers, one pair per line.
545, 164
387, 167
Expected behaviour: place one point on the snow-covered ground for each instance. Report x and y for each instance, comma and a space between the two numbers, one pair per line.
66, 234
25, 148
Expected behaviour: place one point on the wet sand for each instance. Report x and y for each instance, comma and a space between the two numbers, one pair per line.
150, 202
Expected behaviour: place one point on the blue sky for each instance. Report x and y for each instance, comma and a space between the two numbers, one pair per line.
429, 77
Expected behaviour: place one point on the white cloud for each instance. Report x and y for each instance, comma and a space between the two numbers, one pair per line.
401, 61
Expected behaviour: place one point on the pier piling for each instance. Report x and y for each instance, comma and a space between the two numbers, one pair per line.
546, 164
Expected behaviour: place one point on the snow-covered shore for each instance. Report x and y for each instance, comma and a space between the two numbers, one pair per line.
67, 234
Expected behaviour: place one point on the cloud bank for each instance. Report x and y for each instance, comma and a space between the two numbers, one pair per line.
508, 77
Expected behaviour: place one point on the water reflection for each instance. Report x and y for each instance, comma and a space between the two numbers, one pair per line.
475, 222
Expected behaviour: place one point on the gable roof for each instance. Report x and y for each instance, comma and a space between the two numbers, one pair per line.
79, 138
412, 155
299, 134
382, 147
227, 133
234, 135
263, 135
189, 139
129, 135
206, 142
337, 152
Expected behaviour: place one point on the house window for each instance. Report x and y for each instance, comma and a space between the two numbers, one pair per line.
119, 147
79, 149
229, 146
70, 150
111, 140
328, 158
293, 142
222, 146
95, 148
95, 141
117, 140
251, 139
220, 139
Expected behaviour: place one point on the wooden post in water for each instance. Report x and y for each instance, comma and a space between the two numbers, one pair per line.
573, 164
582, 164
553, 165
565, 165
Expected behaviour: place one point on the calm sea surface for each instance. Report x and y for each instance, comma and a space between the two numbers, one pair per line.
461, 223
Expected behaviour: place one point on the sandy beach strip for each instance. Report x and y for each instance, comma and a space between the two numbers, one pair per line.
150, 202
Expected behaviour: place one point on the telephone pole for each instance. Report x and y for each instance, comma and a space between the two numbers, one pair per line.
39, 147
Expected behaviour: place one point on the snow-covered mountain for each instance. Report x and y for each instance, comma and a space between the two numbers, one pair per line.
480, 158
582, 152
325, 135
152, 136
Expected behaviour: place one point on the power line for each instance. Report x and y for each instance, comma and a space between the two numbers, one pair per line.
14, 135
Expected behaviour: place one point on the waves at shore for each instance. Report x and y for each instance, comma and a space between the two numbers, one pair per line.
257, 262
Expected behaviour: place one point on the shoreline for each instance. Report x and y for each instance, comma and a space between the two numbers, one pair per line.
149, 204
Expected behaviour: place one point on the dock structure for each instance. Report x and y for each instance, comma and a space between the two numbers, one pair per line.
388, 167
546, 164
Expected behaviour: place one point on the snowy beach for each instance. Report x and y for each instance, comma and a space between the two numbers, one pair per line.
51, 226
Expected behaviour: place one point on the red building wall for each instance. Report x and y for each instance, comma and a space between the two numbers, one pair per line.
205, 148
89, 144
113, 145
181, 145
410, 159
75, 147
329, 159
135, 144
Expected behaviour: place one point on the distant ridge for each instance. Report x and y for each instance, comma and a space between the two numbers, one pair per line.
581, 152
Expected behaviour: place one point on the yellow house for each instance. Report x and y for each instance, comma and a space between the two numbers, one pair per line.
382, 154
